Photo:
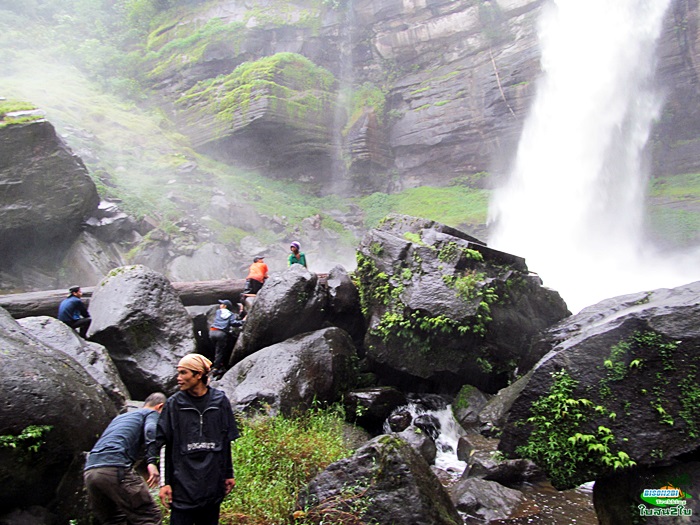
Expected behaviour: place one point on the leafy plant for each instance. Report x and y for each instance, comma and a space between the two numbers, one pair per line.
559, 443
27, 442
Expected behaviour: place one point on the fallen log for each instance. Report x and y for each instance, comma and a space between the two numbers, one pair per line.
32, 304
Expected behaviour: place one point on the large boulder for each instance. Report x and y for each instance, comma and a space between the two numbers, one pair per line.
444, 309
49, 392
290, 303
47, 192
138, 316
489, 501
93, 357
618, 387
344, 309
384, 482
311, 367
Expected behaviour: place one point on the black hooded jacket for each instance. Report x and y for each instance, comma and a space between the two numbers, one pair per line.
198, 447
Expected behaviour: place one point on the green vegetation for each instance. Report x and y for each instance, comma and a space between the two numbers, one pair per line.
675, 217
365, 96
291, 83
558, 442
26, 442
454, 206
11, 106
275, 458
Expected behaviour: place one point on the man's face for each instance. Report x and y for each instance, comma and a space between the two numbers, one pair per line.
186, 378
79, 293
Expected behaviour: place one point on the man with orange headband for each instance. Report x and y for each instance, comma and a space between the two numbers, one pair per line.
197, 427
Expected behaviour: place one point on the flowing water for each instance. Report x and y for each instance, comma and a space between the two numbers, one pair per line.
545, 505
574, 202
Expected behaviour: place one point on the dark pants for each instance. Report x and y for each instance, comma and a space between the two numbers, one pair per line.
119, 496
83, 324
252, 286
200, 516
220, 340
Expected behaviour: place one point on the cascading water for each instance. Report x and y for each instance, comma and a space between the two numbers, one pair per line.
573, 206
446, 438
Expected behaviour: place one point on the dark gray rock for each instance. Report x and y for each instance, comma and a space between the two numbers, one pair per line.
141, 321
422, 442
316, 366
47, 192
43, 387
399, 420
492, 417
624, 373
445, 309
468, 402
471, 443
93, 357
200, 324
488, 500
290, 303
344, 310
385, 481
369, 407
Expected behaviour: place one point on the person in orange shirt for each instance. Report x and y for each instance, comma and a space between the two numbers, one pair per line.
257, 274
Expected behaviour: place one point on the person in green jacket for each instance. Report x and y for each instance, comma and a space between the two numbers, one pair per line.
296, 257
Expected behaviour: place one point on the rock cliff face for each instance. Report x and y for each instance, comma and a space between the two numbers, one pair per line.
455, 81
46, 191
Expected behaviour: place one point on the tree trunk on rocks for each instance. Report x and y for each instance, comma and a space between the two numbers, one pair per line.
33, 304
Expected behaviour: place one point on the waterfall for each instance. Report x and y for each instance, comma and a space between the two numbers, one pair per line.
574, 202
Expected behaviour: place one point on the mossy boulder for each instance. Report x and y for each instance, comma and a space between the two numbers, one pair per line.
446, 310
284, 100
618, 387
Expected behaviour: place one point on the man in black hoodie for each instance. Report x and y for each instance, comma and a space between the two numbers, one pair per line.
197, 428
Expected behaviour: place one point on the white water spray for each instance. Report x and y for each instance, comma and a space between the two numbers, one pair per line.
573, 206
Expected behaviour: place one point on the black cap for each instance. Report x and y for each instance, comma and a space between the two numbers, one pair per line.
228, 303
258, 258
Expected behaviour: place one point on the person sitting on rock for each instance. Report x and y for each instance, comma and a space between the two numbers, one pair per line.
296, 257
73, 312
257, 275
220, 334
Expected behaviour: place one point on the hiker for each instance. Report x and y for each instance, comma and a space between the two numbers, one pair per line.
73, 312
117, 494
197, 427
220, 333
257, 274
296, 257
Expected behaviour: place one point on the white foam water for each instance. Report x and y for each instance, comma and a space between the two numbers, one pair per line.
574, 203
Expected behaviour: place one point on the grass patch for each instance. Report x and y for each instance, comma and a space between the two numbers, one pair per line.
675, 215
275, 458
454, 206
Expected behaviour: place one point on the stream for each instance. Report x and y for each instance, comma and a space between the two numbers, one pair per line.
545, 504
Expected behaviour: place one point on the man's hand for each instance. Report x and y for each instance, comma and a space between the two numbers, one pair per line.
153, 475
229, 484
166, 495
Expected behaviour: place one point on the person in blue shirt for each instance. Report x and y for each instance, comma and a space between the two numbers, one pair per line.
117, 494
73, 312
220, 334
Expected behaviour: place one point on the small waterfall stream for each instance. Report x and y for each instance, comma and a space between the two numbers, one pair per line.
545, 505
574, 203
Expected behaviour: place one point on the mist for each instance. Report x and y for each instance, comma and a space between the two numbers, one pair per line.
574, 203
